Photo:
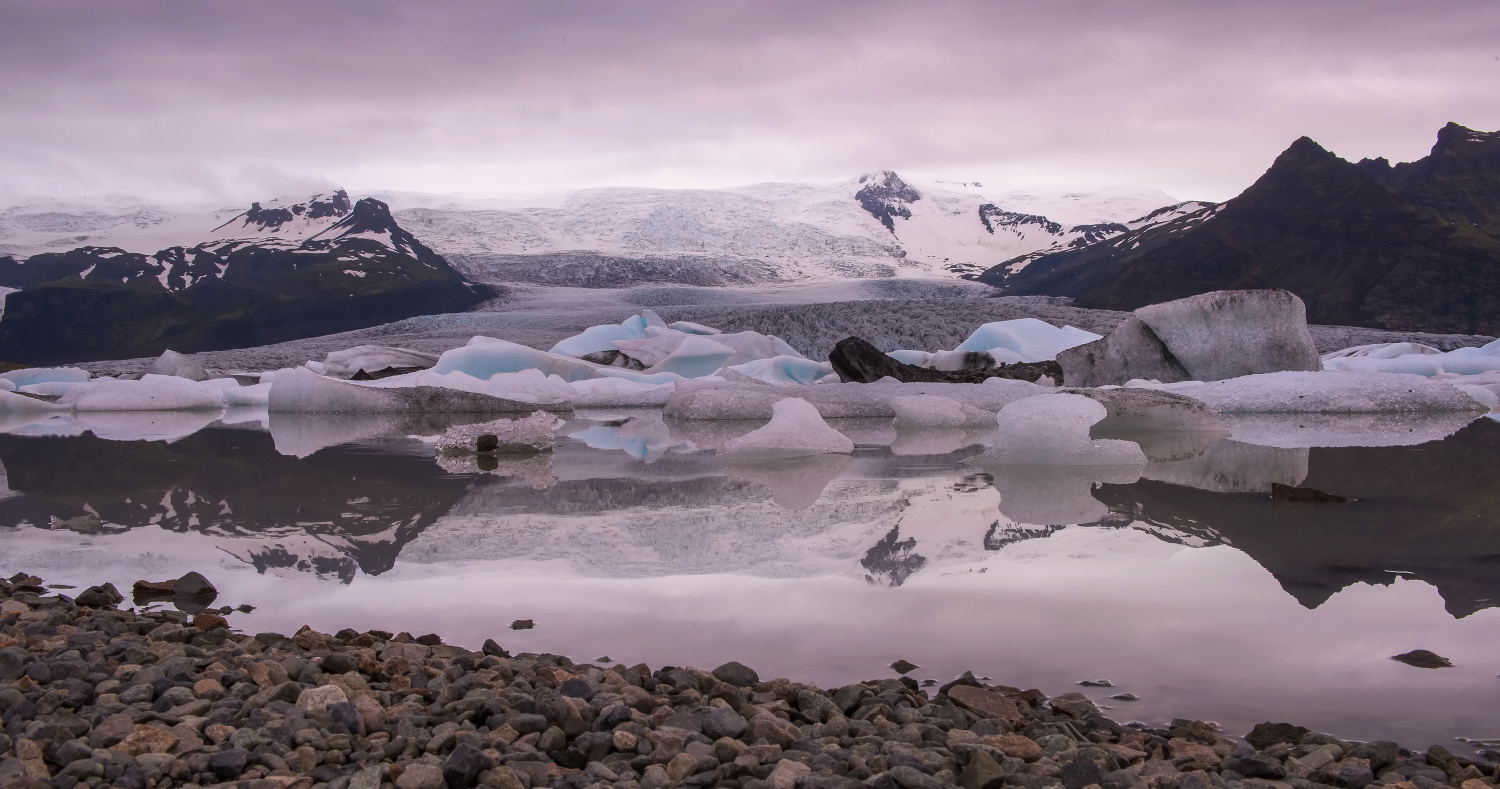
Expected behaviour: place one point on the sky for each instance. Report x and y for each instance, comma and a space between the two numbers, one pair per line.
233, 100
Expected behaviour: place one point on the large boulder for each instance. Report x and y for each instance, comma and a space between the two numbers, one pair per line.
174, 363
1209, 337
1230, 333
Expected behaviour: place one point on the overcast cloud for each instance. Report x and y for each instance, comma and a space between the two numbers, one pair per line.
191, 100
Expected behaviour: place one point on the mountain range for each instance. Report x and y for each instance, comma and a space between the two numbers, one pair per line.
1414, 246
273, 272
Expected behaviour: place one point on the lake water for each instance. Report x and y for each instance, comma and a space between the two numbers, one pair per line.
1188, 587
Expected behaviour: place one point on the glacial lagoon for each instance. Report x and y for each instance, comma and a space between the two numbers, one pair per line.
1189, 587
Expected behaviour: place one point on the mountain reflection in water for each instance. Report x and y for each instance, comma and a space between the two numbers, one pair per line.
1429, 512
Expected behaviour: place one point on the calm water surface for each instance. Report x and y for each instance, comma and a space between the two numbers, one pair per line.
1188, 586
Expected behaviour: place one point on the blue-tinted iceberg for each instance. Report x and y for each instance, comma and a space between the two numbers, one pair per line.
1024, 340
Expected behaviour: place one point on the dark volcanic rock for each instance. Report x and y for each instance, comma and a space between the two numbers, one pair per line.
1412, 247
1421, 658
857, 361
1264, 735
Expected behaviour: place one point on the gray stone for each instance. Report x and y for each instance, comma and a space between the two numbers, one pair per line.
1380, 753
1128, 352
136, 694
1264, 735
724, 722
418, 775
464, 765
229, 763
1230, 333
912, 778
1075, 704
13, 662
1354, 775
1080, 773
1253, 765
736, 674
982, 772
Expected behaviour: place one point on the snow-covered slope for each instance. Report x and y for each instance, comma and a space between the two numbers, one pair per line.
877, 225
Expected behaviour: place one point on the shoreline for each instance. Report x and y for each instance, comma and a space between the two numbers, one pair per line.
91, 695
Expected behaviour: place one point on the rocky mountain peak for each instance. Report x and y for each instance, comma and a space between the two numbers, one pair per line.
278, 214
886, 196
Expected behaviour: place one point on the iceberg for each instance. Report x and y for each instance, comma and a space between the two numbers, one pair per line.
784, 370
1415, 359
372, 359
298, 390
796, 430
39, 375
1023, 340
692, 328
602, 338
1329, 392
1053, 430
172, 363
691, 357
483, 357
526, 435
917, 412
152, 393
12, 403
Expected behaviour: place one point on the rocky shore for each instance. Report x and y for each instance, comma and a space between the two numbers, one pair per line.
94, 695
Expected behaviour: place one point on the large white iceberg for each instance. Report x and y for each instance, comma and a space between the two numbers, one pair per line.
299, 390
373, 359
38, 375
483, 357
1024, 340
601, 338
1415, 359
784, 370
152, 393
175, 364
795, 430
1053, 430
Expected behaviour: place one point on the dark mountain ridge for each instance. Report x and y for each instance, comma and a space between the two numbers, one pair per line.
96, 303
1413, 247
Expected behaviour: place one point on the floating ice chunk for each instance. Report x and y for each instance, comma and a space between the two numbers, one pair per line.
50, 388
784, 370
1330, 392
316, 367
486, 356
253, 395
1382, 350
1028, 339
600, 338
297, 390
527, 435
1053, 430
1481, 394
7, 385
1426, 364
749, 346
1231, 333
620, 393
12, 403
38, 375
175, 364
918, 358
692, 328
795, 430
372, 359
143, 395
527, 386
693, 357
1395, 429
915, 412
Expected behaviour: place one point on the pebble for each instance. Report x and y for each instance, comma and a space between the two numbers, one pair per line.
93, 697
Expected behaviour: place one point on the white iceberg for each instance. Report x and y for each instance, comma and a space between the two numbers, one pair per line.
691, 356
1053, 430
38, 375
483, 357
372, 359
601, 338
784, 370
298, 390
795, 430
917, 412
152, 393
1415, 359
1329, 392
1024, 340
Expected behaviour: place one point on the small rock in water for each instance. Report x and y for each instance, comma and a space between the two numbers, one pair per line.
904, 666
1126, 697
245, 608
522, 624
493, 649
604, 659
1421, 658
928, 682
1289, 494
1097, 683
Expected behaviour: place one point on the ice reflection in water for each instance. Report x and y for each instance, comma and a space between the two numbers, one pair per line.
1187, 585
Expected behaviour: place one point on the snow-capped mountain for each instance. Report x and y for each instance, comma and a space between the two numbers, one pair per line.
876, 225
273, 272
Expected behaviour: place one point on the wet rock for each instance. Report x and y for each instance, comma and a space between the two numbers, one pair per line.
1253, 765
1380, 753
1421, 658
724, 722
1264, 735
462, 768
420, 776
904, 667
857, 361
104, 596
1096, 683
984, 703
230, 763
493, 649
1288, 494
522, 624
1075, 704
